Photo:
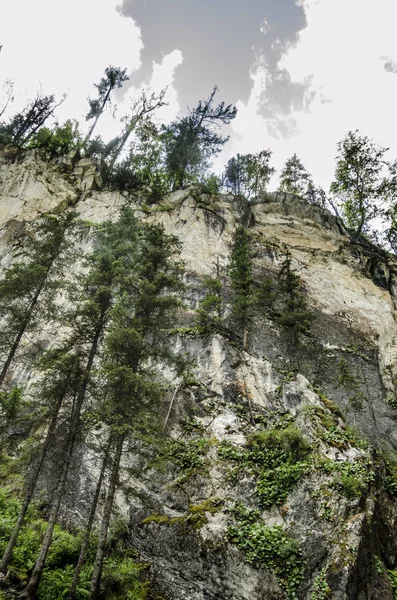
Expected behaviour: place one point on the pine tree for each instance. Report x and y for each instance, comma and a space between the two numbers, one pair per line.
114, 78
116, 246
190, 142
38, 274
294, 178
241, 278
137, 338
294, 316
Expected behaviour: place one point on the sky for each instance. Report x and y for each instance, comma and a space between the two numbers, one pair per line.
301, 72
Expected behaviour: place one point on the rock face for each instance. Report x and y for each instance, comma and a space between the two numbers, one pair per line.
221, 516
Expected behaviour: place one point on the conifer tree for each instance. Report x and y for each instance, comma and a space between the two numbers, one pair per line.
294, 178
189, 142
294, 316
116, 245
28, 280
141, 317
114, 78
241, 278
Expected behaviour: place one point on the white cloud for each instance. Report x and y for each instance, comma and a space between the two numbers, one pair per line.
342, 49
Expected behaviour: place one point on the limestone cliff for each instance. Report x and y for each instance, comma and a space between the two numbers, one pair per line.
203, 518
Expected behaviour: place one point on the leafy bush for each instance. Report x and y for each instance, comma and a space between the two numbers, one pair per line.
288, 441
57, 141
278, 459
269, 547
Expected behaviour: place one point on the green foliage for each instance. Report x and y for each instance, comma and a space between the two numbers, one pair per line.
248, 174
24, 125
294, 178
195, 517
114, 78
350, 478
270, 548
211, 184
294, 316
241, 276
10, 403
360, 180
57, 141
276, 457
32, 281
390, 479
210, 309
187, 455
122, 580
123, 577
393, 582
189, 142
320, 588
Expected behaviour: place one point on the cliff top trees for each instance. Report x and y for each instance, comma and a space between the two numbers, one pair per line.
294, 178
114, 78
248, 174
360, 180
25, 124
189, 142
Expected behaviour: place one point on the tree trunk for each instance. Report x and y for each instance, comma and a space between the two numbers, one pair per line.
29, 494
245, 339
87, 532
21, 331
124, 140
100, 554
30, 591
89, 134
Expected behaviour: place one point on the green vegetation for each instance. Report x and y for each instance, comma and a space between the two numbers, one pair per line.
294, 178
268, 547
278, 458
190, 142
123, 309
241, 280
195, 517
248, 174
29, 285
320, 588
359, 180
393, 582
123, 576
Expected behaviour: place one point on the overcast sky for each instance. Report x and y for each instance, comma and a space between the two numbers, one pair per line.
301, 72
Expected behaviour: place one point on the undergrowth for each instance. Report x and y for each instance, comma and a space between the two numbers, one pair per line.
122, 575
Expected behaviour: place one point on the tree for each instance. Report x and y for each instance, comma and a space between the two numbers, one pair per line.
8, 87
248, 174
25, 124
57, 141
114, 78
294, 316
360, 181
137, 338
146, 160
294, 178
189, 142
241, 279
26, 280
140, 109
94, 294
